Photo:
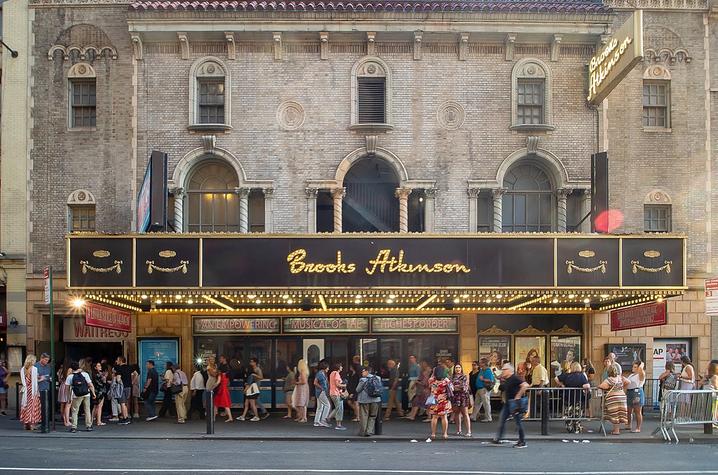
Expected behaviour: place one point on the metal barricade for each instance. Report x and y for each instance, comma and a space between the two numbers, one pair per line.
570, 405
687, 408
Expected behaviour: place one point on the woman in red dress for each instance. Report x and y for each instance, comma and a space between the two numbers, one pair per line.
221, 394
440, 407
30, 403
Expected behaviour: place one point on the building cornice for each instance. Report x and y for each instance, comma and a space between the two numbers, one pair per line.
678, 5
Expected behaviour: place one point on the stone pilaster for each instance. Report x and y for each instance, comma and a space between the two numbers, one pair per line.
311, 209
338, 196
562, 197
243, 194
268, 209
498, 194
403, 195
430, 210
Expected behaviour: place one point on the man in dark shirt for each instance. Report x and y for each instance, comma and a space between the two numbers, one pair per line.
515, 403
152, 387
125, 372
43, 386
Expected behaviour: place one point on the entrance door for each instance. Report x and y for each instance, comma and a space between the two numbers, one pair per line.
313, 351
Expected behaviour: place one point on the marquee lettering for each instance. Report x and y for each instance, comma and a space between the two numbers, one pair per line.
602, 64
297, 264
385, 262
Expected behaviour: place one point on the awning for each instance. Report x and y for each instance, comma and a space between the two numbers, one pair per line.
387, 272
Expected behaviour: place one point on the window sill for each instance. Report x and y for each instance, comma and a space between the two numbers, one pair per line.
658, 130
371, 127
209, 127
532, 127
82, 129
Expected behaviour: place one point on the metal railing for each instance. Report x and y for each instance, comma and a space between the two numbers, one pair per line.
692, 407
570, 405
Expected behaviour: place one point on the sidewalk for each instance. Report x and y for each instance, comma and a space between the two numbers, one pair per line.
276, 428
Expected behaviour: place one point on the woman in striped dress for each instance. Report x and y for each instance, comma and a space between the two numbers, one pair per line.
30, 403
615, 402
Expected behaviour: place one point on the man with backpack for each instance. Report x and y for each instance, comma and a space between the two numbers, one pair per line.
369, 392
80, 389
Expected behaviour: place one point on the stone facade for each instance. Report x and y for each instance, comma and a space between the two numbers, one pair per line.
143, 69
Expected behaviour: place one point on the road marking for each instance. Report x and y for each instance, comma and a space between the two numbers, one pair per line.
370, 471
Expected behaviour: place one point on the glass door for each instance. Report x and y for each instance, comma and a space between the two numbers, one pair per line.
313, 350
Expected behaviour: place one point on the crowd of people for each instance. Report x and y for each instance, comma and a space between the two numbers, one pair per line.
439, 394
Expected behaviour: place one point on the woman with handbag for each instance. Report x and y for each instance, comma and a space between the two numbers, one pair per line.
439, 402
251, 394
30, 403
337, 393
300, 396
615, 401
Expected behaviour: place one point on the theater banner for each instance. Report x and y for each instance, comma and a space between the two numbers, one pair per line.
176, 261
639, 316
110, 318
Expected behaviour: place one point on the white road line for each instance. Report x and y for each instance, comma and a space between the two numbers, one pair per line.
369, 471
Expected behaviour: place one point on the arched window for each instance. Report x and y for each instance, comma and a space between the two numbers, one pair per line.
209, 94
370, 203
371, 93
82, 88
529, 203
212, 201
531, 95
81, 211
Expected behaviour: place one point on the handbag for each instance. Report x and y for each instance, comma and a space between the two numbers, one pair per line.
344, 394
175, 389
251, 390
431, 400
212, 383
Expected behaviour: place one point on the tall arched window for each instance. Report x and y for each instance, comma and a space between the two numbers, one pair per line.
370, 203
212, 201
529, 202
210, 99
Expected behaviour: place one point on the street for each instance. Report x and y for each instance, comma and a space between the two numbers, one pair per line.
64, 455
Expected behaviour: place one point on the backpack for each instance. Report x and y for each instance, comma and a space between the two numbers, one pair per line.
117, 389
79, 385
374, 387
670, 382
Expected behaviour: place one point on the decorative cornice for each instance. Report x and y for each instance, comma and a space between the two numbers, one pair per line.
667, 55
658, 4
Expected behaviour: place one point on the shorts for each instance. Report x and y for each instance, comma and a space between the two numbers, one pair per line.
125, 395
635, 397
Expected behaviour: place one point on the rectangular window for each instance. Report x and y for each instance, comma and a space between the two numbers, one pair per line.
211, 101
530, 101
371, 100
325, 212
82, 218
656, 104
657, 218
256, 211
83, 103
486, 211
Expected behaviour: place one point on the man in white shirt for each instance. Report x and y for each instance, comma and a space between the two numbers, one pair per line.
180, 379
80, 389
196, 387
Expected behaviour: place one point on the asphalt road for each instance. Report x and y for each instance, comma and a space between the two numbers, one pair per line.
23, 455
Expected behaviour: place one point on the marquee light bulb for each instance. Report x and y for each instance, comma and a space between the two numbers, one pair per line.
78, 302
587, 300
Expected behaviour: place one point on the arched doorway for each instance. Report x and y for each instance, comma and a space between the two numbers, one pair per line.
370, 203
212, 202
529, 202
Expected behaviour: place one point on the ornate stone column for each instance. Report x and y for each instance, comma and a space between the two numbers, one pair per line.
311, 209
403, 195
268, 209
498, 194
338, 196
179, 195
562, 197
473, 209
243, 194
430, 210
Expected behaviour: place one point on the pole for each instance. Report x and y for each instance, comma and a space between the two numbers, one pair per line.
544, 410
52, 351
209, 412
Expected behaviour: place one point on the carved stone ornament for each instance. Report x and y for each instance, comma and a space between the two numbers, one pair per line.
81, 197
657, 72
81, 70
657, 197
658, 4
210, 69
290, 115
531, 70
494, 330
667, 55
82, 51
371, 69
530, 331
209, 142
532, 143
450, 115
565, 330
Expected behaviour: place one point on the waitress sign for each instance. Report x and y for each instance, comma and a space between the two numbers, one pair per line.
107, 317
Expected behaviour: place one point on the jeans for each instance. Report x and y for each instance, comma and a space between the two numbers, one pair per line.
338, 411
45, 413
505, 414
150, 404
85, 402
322, 409
482, 399
196, 404
367, 417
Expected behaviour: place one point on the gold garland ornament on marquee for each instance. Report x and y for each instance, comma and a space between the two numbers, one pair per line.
666, 266
86, 266
152, 267
570, 267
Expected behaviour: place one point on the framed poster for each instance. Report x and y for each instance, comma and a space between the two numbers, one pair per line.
528, 347
665, 350
15, 358
495, 348
160, 350
627, 353
564, 351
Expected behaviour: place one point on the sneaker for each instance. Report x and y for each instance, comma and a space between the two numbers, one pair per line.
135, 416
255, 419
115, 419
240, 418
520, 445
125, 422
316, 424
73, 430
150, 419
340, 428
324, 424
3, 413
89, 429
495, 442
265, 415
